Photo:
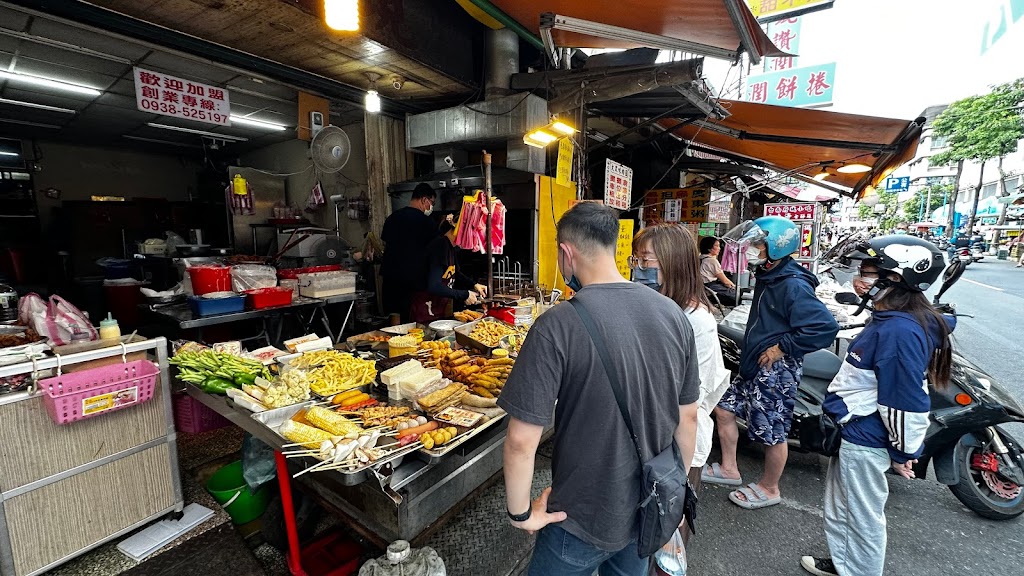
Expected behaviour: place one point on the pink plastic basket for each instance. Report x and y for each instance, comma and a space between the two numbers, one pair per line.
81, 395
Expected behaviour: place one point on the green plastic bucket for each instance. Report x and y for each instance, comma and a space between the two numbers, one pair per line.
229, 489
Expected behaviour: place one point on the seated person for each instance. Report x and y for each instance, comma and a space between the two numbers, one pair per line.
711, 271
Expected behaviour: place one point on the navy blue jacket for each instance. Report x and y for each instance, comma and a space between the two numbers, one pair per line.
785, 312
880, 394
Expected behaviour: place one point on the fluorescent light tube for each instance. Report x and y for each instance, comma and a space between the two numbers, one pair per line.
199, 132
257, 123
37, 106
48, 83
2, 153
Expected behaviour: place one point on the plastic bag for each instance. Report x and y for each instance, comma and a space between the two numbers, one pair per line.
402, 560
258, 464
58, 320
252, 277
671, 559
173, 241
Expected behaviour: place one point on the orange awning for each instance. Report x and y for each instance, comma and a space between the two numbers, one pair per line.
704, 22
804, 141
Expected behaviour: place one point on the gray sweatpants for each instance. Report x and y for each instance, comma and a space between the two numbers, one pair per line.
855, 495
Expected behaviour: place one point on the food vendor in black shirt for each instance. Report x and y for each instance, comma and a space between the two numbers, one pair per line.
406, 234
443, 280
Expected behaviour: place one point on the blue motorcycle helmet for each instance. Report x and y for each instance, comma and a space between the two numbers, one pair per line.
780, 235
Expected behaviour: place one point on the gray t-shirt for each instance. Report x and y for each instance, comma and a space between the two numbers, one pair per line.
595, 473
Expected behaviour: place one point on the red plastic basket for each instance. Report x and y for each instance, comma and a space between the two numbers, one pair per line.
268, 297
80, 395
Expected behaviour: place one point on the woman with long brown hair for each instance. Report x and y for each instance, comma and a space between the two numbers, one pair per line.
880, 398
665, 257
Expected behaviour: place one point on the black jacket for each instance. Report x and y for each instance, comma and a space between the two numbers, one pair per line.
406, 233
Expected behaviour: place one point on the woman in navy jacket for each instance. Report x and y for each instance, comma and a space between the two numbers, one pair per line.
880, 398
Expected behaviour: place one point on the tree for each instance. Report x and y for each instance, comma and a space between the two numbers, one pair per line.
979, 129
932, 195
887, 219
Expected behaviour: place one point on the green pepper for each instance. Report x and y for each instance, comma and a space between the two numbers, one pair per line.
216, 385
243, 379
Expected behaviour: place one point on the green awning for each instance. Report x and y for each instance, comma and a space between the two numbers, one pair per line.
1015, 199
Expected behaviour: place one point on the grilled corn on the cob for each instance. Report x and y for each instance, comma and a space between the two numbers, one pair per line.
331, 421
308, 436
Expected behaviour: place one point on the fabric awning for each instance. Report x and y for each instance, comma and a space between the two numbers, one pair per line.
706, 22
804, 141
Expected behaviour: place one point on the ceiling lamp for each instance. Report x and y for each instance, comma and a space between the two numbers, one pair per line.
37, 106
342, 15
853, 168
5, 153
821, 176
48, 83
257, 123
215, 135
541, 137
372, 101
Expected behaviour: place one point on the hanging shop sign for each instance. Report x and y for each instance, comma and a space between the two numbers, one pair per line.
672, 210
719, 212
809, 87
563, 176
692, 205
624, 247
772, 10
618, 185
797, 212
785, 34
168, 95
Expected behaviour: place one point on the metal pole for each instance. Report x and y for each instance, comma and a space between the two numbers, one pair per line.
487, 229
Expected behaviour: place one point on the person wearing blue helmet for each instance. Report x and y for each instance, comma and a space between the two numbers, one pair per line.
786, 322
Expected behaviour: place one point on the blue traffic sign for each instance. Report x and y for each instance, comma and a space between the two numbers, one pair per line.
901, 184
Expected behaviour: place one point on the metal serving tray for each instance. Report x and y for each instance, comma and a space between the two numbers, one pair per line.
465, 435
462, 334
273, 419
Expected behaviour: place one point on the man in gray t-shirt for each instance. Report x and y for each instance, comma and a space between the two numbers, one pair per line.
590, 512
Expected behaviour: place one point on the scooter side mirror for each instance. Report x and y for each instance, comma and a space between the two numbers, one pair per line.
847, 298
952, 273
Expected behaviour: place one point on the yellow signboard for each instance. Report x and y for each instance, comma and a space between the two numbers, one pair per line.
553, 201
564, 172
767, 10
624, 247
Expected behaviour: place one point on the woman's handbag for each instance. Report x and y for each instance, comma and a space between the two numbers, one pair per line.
666, 492
821, 434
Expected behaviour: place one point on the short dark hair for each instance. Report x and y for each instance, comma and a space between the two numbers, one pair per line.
707, 243
589, 227
423, 190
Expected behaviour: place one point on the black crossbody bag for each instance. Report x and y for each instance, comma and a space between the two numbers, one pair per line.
666, 495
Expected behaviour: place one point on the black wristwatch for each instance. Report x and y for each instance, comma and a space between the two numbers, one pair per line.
520, 517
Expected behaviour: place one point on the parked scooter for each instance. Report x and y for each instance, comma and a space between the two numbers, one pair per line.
970, 453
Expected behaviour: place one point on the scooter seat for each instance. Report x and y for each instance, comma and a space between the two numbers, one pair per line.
822, 365
734, 334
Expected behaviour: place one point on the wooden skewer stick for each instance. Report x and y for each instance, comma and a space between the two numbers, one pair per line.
311, 468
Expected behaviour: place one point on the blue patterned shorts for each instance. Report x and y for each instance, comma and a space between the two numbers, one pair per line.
766, 401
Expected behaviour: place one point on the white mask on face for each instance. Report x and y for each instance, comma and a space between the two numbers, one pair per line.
754, 256
429, 211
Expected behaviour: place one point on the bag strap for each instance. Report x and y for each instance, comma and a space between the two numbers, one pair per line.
602, 351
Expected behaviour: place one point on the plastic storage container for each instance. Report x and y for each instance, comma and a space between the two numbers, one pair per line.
333, 554
252, 277
327, 284
192, 417
293, 273
206, 279
211, 306
268, 297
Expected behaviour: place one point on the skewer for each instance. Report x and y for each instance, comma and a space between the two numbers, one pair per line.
311, 468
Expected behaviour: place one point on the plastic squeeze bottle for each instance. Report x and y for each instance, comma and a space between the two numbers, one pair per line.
109, 329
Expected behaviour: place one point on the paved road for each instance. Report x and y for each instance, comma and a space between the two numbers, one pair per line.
930, 532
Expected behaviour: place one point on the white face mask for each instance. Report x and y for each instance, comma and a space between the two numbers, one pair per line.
429, 211
754, 256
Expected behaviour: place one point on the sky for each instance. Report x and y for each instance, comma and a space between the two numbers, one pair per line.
894, 58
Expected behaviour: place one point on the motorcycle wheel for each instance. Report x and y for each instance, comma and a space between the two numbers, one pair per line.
976, 492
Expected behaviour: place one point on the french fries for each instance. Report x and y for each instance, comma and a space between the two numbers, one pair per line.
330, 371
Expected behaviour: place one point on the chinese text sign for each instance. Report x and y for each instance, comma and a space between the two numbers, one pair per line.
618, 185
171, 96
807, 86
785, 34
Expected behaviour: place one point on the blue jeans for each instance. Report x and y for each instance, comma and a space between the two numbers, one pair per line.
559, 553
